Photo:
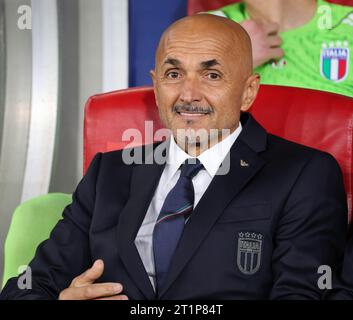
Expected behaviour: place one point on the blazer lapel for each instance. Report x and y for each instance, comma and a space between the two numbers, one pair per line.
144, 181
244, 164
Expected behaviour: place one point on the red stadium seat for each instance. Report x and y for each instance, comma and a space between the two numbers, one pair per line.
195, 6
318, 119
108, 115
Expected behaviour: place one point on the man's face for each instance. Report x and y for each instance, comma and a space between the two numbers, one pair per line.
199, 81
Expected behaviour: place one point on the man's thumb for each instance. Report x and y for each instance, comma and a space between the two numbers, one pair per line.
91, 275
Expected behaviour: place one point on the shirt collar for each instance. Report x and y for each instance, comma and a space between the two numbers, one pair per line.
210, 158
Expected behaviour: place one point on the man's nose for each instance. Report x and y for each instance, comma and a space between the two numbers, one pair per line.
190, 90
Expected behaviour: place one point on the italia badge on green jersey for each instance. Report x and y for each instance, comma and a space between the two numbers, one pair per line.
335, 61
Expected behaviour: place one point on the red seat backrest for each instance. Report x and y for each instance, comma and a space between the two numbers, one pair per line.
109, 115
321, 120
195, 6
318, 119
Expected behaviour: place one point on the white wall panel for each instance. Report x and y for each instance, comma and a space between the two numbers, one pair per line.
44, 106
115, 45
16, 114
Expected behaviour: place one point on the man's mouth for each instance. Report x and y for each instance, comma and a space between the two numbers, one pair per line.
192, 114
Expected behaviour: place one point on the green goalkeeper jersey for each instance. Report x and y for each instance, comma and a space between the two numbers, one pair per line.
316, 55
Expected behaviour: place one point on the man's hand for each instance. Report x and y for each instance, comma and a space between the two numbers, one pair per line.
266, 43
83, 288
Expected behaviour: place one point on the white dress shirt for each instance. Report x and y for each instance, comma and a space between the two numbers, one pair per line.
211, 160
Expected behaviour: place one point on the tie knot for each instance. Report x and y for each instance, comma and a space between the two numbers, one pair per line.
190, 168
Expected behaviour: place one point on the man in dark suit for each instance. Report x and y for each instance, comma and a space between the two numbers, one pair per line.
250, 216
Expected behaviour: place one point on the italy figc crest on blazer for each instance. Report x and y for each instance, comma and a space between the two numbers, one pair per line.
249, 252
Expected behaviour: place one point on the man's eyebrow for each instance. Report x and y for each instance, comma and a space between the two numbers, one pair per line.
173, 62
209, 63
204, 64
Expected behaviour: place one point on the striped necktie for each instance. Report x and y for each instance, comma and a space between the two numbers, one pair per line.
177, 206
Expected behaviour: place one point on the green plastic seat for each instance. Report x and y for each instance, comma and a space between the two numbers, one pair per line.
31, 224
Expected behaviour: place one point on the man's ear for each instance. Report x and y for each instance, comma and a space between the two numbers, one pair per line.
154, 80
251, 89
153, 76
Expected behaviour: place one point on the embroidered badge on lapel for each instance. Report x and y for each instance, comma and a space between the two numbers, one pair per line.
335, 61
243, 163
249, 252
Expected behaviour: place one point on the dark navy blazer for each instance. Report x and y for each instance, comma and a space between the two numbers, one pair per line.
259, 232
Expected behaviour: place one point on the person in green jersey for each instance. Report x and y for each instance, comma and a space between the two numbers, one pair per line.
299, 43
